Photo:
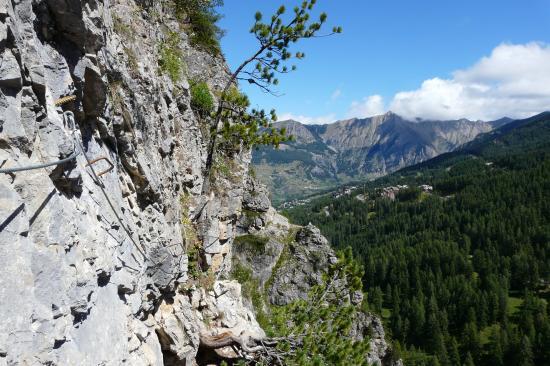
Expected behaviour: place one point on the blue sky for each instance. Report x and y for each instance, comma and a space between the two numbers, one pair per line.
423, 58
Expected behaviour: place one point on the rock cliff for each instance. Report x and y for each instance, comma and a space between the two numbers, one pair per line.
115, 256
285, 261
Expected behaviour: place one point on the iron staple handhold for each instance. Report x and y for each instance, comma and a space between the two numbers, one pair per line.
111, 167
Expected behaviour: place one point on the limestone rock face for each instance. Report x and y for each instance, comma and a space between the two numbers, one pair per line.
10, 75
91, 270
224, 311
369, 326
308, 256
98, 255
256, 196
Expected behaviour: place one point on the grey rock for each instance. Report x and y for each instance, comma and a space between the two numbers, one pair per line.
310, 255
32, 113
167, 147
367, 326
174, 338
53, 71
10, 73
256, 196
76, 286
95, 91
225, 310
260, 262
95, 271
12, 130
70, 20
3, 8
3, 34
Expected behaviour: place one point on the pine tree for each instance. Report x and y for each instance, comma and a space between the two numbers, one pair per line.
316, 331
233, 120
471, 340
469, 361
454, 353
417, 317
375, 297
434, 361
495, 349
525, 356
543, 342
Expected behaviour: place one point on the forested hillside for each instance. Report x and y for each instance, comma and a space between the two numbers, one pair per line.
461, 273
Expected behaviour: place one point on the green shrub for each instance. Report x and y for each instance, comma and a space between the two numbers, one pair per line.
201, 98
170, 59
241, 273
317, 330
122, 28
251, 289
199, 18
252, 243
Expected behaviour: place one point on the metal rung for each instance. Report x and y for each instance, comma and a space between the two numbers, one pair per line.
106, 170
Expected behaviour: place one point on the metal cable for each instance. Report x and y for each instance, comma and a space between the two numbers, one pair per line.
73, 156
71, 125
38, 166
77, 150
69, 116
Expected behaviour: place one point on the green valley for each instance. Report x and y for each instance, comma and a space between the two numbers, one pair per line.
461, 271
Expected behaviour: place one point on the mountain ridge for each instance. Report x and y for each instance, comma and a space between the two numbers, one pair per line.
325, 156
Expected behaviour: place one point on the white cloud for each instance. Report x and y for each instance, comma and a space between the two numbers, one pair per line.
513, 81
336, 94
370, 106
308, 120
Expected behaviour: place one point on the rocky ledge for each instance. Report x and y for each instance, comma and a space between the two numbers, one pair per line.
285, 261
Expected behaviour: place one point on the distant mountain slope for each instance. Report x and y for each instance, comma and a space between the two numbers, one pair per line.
326, 156
526, 134
516, 137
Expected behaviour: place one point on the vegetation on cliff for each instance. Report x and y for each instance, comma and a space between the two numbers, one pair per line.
199, 18
233, 120
316, 330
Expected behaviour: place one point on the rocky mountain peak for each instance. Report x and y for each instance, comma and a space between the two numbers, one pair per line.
326, 156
